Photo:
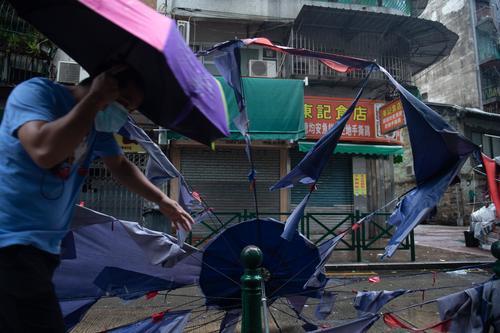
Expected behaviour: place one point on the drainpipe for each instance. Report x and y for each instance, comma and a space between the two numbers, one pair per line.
472, 7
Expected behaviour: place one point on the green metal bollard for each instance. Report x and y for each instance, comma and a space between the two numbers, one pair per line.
251, 291
495, 251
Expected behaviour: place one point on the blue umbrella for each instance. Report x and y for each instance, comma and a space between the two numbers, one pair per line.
288, 264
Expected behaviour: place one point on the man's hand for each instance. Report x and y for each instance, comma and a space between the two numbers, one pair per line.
179, 217
105, 88
129, 175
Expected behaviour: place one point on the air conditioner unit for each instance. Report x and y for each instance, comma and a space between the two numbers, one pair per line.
262, 68
184, 29
68, 72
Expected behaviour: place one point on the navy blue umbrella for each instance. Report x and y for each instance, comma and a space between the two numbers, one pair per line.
287, 264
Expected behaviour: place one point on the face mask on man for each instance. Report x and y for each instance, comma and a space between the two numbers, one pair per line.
111, 119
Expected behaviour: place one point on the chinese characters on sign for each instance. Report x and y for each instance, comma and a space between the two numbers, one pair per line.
391, 117
321, 113
128, 146
359, 184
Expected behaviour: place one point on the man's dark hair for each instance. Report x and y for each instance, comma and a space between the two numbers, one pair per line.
123, 77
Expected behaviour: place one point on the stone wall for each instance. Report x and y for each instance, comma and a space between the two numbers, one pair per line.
454, 79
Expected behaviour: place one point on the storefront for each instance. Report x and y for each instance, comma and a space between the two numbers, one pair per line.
284, 126
221, 176
360, 174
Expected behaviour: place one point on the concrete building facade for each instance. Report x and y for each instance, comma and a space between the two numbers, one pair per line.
463, 87
470, 75
388, 31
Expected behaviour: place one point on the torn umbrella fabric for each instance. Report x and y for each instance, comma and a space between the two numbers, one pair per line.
188, 199
325, 249
297, 302
228, 64
472, 310
339, 63
372, 301
74, 310
198, 218
359, 325
325, 306
230, 321
309, 169
158, 169
169, 322
292, 222
160, 248
336, 62
121, 267
439, 152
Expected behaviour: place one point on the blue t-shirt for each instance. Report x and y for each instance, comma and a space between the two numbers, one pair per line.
36, 205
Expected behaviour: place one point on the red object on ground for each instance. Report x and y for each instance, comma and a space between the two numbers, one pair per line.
374, 279
492, 173
158, 316
394, 321
82, 204
151, 295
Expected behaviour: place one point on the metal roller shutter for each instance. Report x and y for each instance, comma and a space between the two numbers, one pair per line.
102, 193
334, 194
221, 178
334, 186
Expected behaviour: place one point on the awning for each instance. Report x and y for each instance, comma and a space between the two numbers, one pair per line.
429, 41
275, 108
351, 148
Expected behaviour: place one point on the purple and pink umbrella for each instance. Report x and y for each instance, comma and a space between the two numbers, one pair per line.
180, 94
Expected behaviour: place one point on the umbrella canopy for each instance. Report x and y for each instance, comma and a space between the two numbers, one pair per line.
288, 264
180, 94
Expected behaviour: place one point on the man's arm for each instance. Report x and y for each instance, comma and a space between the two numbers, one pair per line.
130, 176
49, 143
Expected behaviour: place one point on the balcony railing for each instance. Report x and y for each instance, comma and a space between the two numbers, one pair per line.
488, 47
487, 19
15, 67
491, 93
401, 5
24, 53
301, 66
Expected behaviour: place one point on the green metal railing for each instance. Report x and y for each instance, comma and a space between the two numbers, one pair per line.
318, 227
401, 5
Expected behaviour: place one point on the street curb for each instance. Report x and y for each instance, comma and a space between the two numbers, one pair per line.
432, 265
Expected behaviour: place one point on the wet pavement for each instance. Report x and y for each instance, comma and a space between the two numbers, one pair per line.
109, 313
446, 238
434, 243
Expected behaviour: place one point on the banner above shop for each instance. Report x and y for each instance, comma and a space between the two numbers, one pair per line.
321, 113
391, 117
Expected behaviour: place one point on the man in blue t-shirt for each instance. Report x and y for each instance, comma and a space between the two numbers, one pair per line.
48, 138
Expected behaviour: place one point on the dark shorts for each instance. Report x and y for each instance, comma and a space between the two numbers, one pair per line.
27, 299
